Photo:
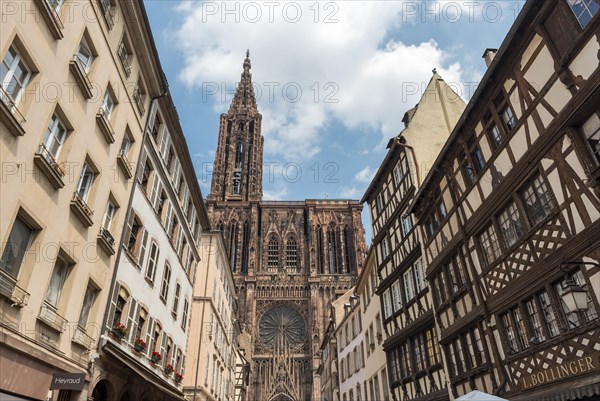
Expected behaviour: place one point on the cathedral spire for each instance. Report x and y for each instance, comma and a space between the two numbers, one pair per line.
244, 100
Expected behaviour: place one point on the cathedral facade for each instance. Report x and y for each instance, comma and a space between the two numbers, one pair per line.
290, 259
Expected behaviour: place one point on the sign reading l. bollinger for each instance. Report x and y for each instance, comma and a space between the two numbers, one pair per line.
565, 370
67, 381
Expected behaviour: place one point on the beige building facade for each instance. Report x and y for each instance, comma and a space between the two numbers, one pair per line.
73, 101
215, 363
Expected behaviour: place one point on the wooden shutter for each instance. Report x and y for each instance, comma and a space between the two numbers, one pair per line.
163, 347
149, 333
113, 305
183, 365
130, 317
143, 238
129, 228
134, 326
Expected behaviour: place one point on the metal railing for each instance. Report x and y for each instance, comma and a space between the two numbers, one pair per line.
11, 105
82, 204
107, 236
10, 290
50, 316
49, 157
137, 96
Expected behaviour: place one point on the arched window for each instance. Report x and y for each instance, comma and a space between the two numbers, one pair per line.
348, 250
239, 154
233, 244
291, 252
245, 247
320, 259
273, 254
333, 250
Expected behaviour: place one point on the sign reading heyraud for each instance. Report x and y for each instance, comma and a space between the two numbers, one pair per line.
565, 370
67, 381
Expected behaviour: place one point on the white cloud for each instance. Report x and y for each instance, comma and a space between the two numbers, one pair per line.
349, 70
279, 192
350, 193
365, 175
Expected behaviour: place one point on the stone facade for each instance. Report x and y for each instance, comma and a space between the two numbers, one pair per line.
289, 259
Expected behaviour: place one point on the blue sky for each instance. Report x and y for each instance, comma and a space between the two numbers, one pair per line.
335, 78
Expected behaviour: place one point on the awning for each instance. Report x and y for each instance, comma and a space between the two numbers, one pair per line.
479, 396
571, 394
11, 397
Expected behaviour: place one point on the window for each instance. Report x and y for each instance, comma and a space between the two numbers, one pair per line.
380, 202
119, 305
57, 282
387, 304
291, 253
164, 287
14, 75
591, 131
55, 4
538, 200
549, 314
141, 322
584, 10
419, 275
84, 55
406, 225
86, 179
108, 104
176, 299
273, 254
511, 226
186, 305
490, 247
435, 216
398, 174
476, 156
385, 248
433, 351
508, 118
152, 261
396, 295
55, 136
15, 247
535, 320
409, 287
88, 302
514, 327
125, 145
124, 55
109, 215
493, 131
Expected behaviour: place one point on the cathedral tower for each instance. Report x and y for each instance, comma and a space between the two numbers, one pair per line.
237, 174
290, 259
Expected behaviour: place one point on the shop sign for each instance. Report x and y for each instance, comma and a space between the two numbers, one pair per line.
67, 381
565, 370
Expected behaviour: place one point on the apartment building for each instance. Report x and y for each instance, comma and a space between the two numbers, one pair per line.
144, 344
510, 215
415, 367
375, 385
74, 95
216, 364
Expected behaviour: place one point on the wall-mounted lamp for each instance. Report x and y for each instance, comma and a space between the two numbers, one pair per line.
574, 296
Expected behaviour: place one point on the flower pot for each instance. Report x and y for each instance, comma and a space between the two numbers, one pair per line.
139, 348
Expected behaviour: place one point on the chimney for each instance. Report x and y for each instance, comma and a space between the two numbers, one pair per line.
488, 55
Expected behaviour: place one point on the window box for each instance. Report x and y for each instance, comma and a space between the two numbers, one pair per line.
124, 164
106, 241
11, 291
83, 81
51, 169
105, 126
51, 17
80, 337
82, 210
10, 114
49, 316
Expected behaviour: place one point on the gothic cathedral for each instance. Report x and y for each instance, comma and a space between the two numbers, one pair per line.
290, 259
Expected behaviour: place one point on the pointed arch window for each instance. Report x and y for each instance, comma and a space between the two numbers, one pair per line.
245, 247
320, 258
273, 254
348, 250
333, 250
291, 251
239, 154
233, 244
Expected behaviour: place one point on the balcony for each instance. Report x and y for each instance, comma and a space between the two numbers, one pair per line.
124, 164
11, 291
51, 169
80, 208
106, 7
105, 126
80, 337
51, 318
139, 101
81, 76
48, 10
10, 114
106, 241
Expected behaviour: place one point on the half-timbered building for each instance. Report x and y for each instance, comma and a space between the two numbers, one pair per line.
510, 211
413, 356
